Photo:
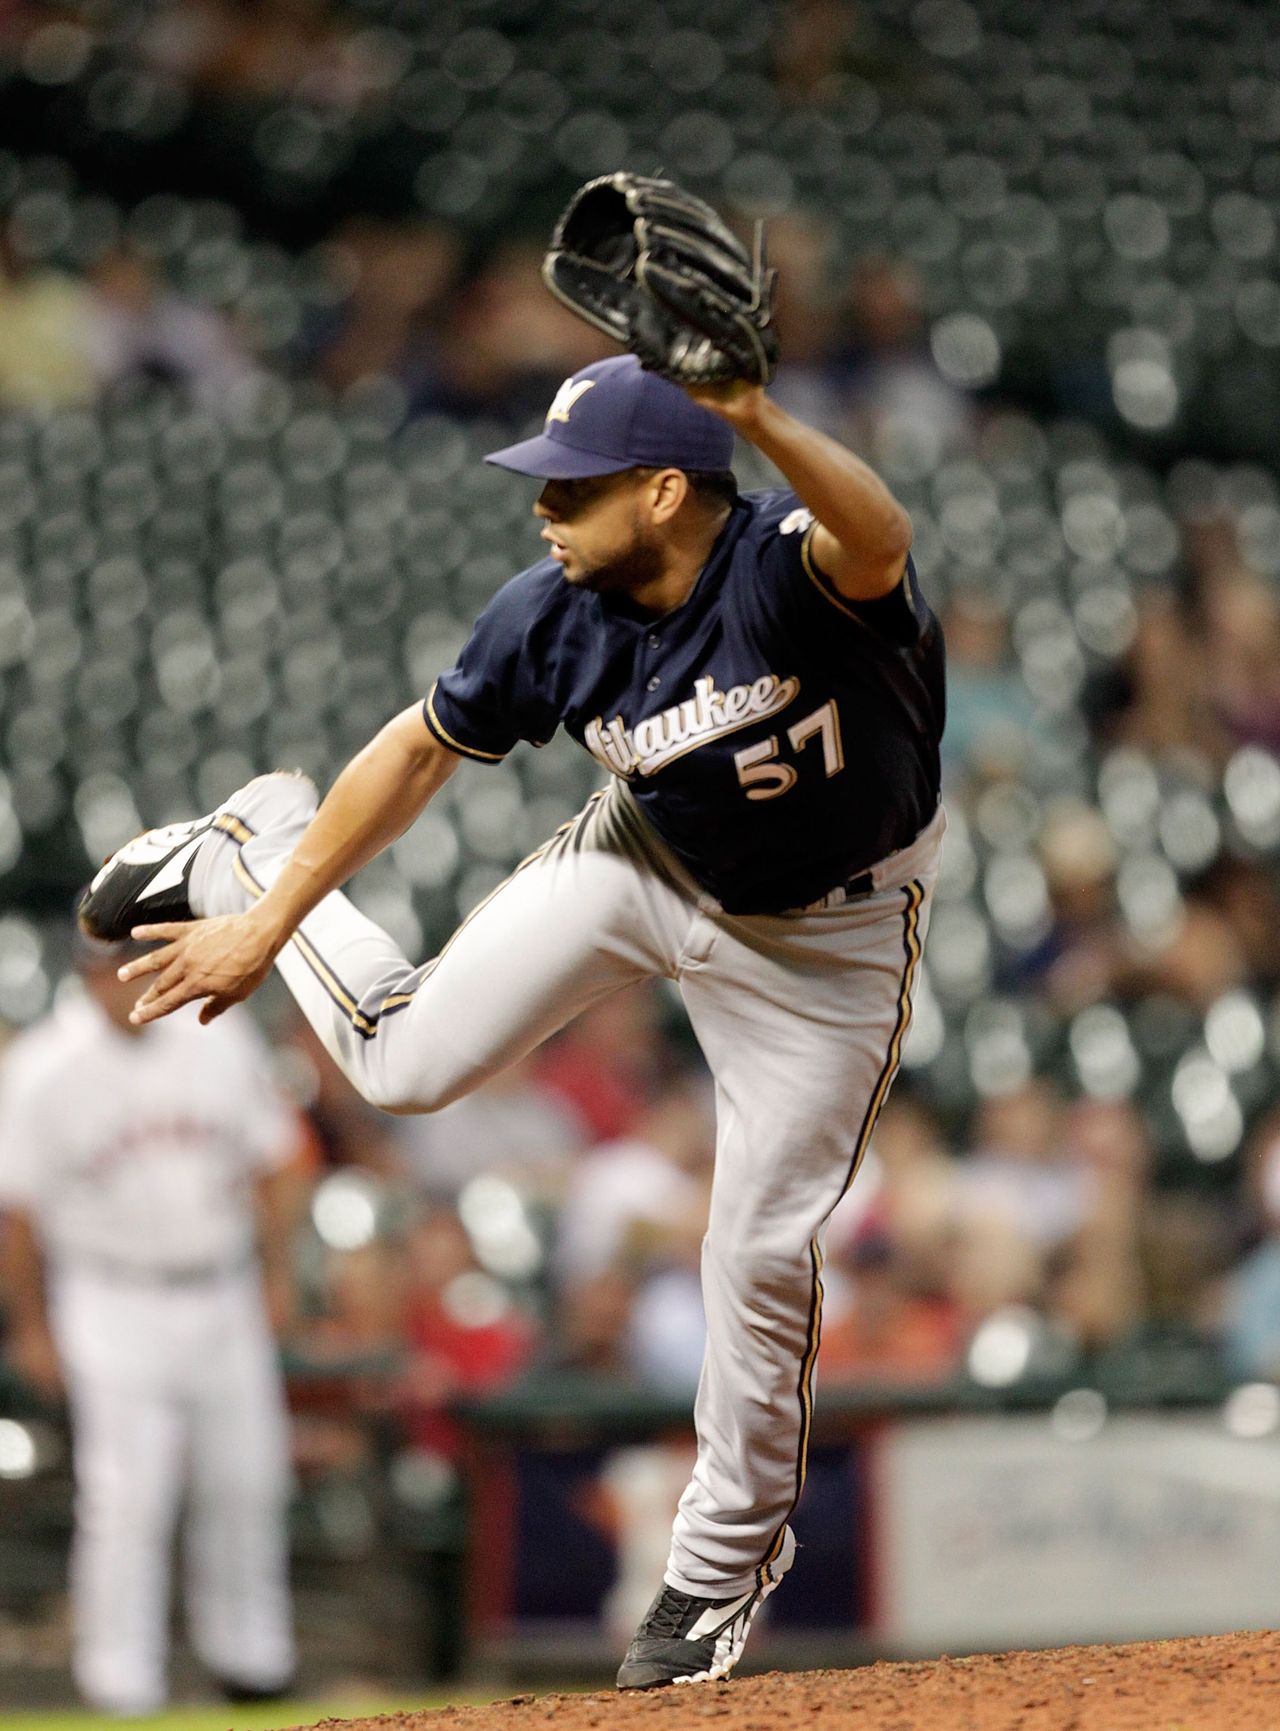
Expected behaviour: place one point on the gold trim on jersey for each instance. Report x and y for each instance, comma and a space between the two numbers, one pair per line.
822, 583
446, 738
911, 945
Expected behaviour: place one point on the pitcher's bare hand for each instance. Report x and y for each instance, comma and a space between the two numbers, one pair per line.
216, 961
737, 401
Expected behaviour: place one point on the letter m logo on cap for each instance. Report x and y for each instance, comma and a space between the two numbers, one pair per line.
566, 397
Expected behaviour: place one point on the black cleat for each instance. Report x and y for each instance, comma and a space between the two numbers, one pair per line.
144, 882
685, 1639
254, 1694
148, 880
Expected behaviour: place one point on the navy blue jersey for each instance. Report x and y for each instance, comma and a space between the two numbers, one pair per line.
778, 737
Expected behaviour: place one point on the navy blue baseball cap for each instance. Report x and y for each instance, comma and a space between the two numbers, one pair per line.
612, 416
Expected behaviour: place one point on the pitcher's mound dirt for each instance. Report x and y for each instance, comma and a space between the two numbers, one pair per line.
1217, 1683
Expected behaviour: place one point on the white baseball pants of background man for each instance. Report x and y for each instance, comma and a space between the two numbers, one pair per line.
801, 1017
174, 1394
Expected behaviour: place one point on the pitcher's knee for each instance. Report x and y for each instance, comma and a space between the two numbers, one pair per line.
760, 1264
402, 1098
407, 1066
426, 1089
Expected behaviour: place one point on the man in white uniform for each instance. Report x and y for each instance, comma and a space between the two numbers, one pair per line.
143, 1173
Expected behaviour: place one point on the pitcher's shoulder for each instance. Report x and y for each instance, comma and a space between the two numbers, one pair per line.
774, 511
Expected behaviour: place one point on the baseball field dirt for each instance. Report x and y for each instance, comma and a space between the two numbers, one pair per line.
1217, 1683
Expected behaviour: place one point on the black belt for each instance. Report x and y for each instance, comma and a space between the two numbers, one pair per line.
862, 883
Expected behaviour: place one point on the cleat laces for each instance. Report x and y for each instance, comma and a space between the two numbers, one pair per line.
671, 1611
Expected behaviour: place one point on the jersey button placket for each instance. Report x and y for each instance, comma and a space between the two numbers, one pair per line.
651, 642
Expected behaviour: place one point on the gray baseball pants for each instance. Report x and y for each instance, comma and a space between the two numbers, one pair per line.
801, 1017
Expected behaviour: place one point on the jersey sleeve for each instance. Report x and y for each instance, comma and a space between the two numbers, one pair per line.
788, 564
490, 699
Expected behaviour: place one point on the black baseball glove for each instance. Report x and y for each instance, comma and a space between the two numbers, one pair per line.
656, 269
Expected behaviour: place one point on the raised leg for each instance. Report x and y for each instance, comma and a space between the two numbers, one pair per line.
578, 920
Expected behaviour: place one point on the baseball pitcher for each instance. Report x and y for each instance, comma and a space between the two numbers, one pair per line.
763, 680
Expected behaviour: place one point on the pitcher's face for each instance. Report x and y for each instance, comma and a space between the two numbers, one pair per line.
600, 531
